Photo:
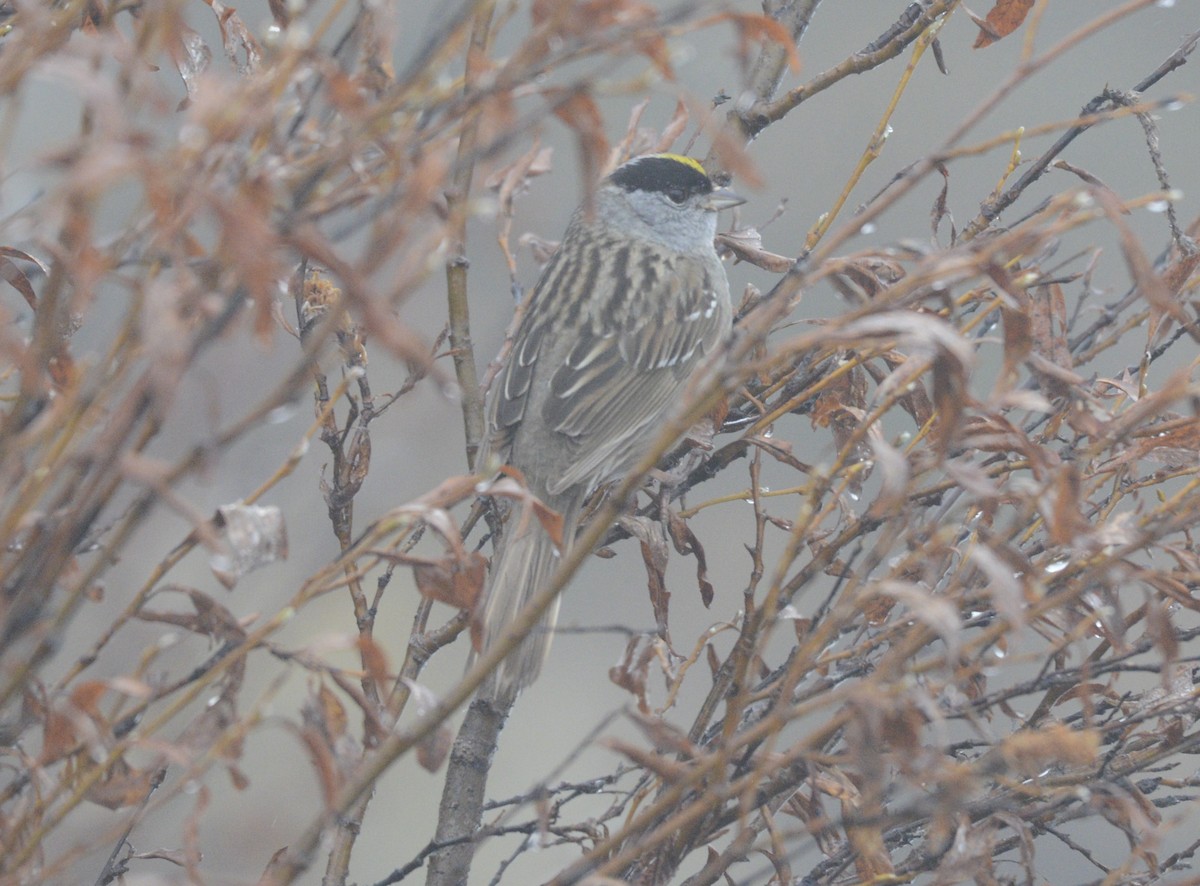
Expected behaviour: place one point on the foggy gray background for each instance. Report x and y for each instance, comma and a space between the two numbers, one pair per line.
804, 160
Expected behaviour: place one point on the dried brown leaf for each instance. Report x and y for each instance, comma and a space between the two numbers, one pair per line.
455, 581
654, 556
1047, 325
1018, 342
933, 611
15, 277
375, 661
632, 672
579, 111
191, 61
1002, 19
209, 618
433, 748
754, 28
893, 492
665, 767
871, 858
76, 720
121, 785
1029, 752
240, 46
249, 537
686, 542
1176, 448
512, 485
746, 245
1064, 510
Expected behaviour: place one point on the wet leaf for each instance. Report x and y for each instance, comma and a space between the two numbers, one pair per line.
455, 581
15, 277
686, 542
122, 785
1002, 19
654, 557
249, 537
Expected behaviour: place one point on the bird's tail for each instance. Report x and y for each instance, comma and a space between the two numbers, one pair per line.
521, 567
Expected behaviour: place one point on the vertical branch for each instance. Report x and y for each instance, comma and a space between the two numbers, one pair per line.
461, 808
767, 72
456, 265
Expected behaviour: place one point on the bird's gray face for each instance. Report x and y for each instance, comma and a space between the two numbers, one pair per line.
686, 224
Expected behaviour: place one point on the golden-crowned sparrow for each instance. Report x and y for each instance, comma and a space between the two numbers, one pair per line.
627, 308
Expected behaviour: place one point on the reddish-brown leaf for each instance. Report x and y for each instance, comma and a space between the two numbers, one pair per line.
122, 785
455, 581
757, 28
1002, 19
15, 277
654, 556
1064, 517
632, 672
1031, 751
375, 660
433, 748
578, 110
685, 542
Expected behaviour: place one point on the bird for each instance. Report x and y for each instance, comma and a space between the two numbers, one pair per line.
631, 303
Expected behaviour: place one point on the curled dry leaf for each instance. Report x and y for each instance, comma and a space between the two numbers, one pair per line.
122, 785
375, 662
685, 542
1176, 448
841, 408
673, 130
67, 724
432, 750
865, 277
1003, 584
893, 466
933, 611
210, 618
240, 46
745, 245
540, 248
513, 180
665, 767
556, 20
654, 555
15, 277
1031, 751
903, 379
192, 58
578, 110
174, 856
453, 580
632, 672
332, 749
1062, 508
512, 485
250, 537
1002, 19
754, 28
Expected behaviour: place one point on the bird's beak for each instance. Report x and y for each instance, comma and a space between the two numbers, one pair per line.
723, 198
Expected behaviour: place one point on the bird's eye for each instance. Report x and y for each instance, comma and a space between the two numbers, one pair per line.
676, 195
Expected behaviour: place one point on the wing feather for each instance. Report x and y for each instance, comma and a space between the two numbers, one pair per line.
629, 367
588, 382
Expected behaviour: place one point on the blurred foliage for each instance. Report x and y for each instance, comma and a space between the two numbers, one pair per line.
971, 626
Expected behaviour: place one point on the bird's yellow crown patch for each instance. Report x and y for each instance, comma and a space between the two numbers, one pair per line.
686, 161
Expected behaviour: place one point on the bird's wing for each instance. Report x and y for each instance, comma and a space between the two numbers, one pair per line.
631, 359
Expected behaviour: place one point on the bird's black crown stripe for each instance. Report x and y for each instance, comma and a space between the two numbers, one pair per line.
662, 173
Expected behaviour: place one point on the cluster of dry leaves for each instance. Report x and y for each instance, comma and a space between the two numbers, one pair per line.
964, 628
